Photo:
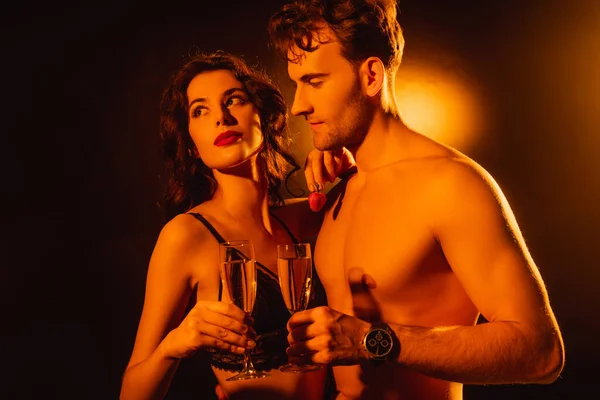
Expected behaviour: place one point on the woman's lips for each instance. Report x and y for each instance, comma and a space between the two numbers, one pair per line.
226, 138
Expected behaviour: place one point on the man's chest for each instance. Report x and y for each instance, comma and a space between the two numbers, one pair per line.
386, 235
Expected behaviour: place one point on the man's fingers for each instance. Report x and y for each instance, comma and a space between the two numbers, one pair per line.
329, 163
313, 170
313, 173
309, 176
302, 348
364, 304
305, 332
300, 318
359, 281
317, 171
321, 357
299, 334
324, 342
369, 282
306, 359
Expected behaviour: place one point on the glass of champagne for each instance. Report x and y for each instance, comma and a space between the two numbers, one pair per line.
238, 273
294, 268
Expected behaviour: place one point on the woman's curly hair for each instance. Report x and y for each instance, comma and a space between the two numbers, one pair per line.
189, 181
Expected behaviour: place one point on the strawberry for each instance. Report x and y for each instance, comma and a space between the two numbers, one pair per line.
316, 201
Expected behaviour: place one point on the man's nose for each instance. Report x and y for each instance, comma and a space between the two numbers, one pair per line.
301, 105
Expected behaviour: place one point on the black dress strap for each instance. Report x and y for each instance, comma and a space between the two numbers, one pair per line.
209, 226
217, 236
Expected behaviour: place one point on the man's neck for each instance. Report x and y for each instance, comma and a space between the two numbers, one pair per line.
384, 143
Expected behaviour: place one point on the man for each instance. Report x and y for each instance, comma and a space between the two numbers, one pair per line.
423, 234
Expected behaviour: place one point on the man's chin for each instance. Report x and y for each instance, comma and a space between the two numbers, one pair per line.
323, 146
321, 142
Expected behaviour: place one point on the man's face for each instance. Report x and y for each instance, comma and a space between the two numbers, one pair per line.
329, 96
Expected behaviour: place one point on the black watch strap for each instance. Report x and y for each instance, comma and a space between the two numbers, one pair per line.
381, 343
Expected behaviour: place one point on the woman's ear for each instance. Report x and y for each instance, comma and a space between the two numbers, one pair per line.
372, 73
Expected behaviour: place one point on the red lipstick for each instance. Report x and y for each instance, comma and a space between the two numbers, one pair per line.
227, 137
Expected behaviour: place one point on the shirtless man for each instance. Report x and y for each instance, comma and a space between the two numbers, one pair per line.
428, 231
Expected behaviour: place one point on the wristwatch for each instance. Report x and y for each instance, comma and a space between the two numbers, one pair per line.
380, 343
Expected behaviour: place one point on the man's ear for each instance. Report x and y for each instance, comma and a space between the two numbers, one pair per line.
372, 73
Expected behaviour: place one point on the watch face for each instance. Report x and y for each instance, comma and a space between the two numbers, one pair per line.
379, 342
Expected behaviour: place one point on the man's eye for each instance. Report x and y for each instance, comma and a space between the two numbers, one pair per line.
315, 83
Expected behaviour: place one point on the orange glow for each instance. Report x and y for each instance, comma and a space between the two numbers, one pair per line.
440, 103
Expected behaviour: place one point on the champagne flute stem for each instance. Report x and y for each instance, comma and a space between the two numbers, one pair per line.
247, 362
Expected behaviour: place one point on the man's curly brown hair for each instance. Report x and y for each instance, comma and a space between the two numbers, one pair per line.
364, 28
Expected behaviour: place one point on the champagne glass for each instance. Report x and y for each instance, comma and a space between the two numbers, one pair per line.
294, 268
238, 273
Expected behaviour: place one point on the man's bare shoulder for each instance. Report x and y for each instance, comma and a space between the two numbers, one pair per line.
440, 165
458, 185
448, 163
461, 173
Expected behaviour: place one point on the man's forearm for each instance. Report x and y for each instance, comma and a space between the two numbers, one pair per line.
490, 353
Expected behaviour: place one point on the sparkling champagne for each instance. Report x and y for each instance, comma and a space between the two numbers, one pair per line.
239, 281
295, 276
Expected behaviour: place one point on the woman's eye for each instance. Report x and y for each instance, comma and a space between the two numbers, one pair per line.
199, 111
235, 100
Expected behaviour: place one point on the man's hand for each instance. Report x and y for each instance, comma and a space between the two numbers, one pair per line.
322, 166
323, 335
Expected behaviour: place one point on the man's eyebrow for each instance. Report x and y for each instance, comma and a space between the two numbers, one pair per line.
225, 93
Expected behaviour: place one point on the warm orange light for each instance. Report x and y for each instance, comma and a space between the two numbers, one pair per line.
440, 104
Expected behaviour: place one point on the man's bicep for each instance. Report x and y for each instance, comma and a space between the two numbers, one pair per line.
484, 247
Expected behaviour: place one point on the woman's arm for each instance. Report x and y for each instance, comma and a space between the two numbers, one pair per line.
184, 257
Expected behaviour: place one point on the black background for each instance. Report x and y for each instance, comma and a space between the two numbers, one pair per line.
80, 162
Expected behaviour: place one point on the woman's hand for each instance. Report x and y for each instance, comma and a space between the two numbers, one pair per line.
210, 324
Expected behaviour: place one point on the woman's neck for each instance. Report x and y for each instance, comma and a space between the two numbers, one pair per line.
242, 194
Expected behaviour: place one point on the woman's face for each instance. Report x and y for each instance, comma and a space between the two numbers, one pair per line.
223, 123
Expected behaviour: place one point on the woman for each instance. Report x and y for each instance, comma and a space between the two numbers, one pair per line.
224, 128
